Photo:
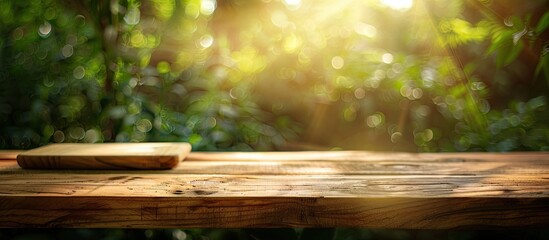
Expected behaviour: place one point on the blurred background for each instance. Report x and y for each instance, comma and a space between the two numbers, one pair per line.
245, 75
391, 75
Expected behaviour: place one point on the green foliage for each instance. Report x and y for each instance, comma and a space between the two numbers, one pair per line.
457, 31
543, 65
520, 127
223, 77
543, 24
82, 80
46, 75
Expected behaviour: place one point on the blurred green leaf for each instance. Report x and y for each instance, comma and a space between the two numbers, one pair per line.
500, 39
505, 48
543, 23
543, 67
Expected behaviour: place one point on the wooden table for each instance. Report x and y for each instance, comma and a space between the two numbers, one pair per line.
283, 189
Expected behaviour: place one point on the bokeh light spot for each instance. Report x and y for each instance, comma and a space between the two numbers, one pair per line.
375, 120
58, 136
478, 86
360, 93
192, 11
279, 19
338, 62
417, 93
18, 33
77, 133
428, 135
79, 72
210, 123
423, 111
304, 58
206, 41
365, 29
428, 76
67, 51
137, 39
406, 91
48, 82
45, 29
379, 74
163, 67
92, 136
292, 4
292, 43
387, 58
143, 125
207, 7
133, 16
232, 93
396, 136
133, 82
349, 114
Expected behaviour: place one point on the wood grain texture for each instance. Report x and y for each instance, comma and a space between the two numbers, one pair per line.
288, 189
8, 154
105, 156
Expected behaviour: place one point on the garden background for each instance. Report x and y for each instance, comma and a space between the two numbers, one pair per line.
263, 75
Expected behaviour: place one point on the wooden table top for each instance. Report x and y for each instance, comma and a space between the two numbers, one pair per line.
287, 189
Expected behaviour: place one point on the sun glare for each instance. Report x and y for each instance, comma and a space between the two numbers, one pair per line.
292, 4
207, 7
401, 5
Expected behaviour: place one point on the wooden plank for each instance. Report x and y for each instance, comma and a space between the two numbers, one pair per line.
9, 154
342, 168
202, 185
289, 189
368, 156
143, 184
163, 212
355, 163
105, 156
348, 167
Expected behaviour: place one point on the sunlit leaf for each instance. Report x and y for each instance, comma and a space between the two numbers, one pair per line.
163, 8
163, 67
500, 39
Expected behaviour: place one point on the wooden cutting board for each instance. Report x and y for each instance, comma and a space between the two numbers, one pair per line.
105, 156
